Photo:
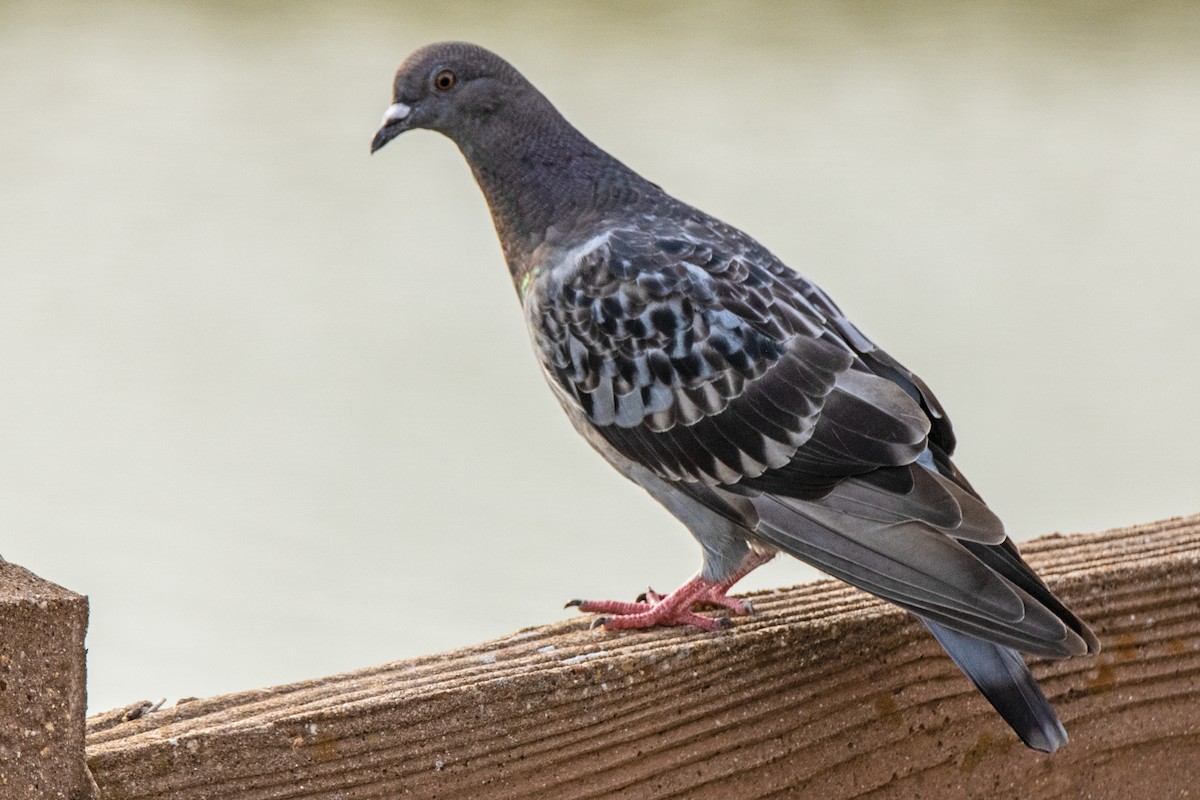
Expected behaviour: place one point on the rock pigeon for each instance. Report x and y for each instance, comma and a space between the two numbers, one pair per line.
735, 391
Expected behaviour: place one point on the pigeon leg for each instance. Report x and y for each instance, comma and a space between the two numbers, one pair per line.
655, 609
717, 595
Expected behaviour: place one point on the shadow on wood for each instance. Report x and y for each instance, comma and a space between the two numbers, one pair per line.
826, 693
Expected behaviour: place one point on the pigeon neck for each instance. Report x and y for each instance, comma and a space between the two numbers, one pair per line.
543, 179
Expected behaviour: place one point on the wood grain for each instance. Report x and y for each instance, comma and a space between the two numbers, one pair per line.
825, 693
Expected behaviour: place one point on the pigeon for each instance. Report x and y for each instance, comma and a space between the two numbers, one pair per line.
735, 392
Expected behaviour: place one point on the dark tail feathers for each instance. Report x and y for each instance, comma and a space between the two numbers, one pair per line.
1001, 675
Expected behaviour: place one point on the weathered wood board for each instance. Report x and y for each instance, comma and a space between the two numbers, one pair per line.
825, 693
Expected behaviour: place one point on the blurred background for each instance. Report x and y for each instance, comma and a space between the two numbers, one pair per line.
270, 403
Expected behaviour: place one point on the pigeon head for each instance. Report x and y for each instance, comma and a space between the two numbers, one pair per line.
456, 89
536, 170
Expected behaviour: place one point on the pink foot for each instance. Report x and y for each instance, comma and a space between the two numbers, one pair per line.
715, 597
654, 609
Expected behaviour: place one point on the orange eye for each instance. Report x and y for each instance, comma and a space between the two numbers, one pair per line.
445, 80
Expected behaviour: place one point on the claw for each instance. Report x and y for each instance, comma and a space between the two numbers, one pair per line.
573, 603
598, 622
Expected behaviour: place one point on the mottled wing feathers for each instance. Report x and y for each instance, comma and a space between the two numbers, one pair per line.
682, 359
694, 359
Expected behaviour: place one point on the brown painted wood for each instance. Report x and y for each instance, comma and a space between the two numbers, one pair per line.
825, 693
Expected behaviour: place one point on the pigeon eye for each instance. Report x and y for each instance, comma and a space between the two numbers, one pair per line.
445, 80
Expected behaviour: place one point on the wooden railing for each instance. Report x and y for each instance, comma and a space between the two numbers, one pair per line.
825, 693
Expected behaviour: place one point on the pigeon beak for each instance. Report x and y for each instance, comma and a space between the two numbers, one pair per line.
393, 125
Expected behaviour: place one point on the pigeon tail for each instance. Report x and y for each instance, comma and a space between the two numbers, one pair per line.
1004, 679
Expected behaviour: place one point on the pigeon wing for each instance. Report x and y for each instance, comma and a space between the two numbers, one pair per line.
696, 362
